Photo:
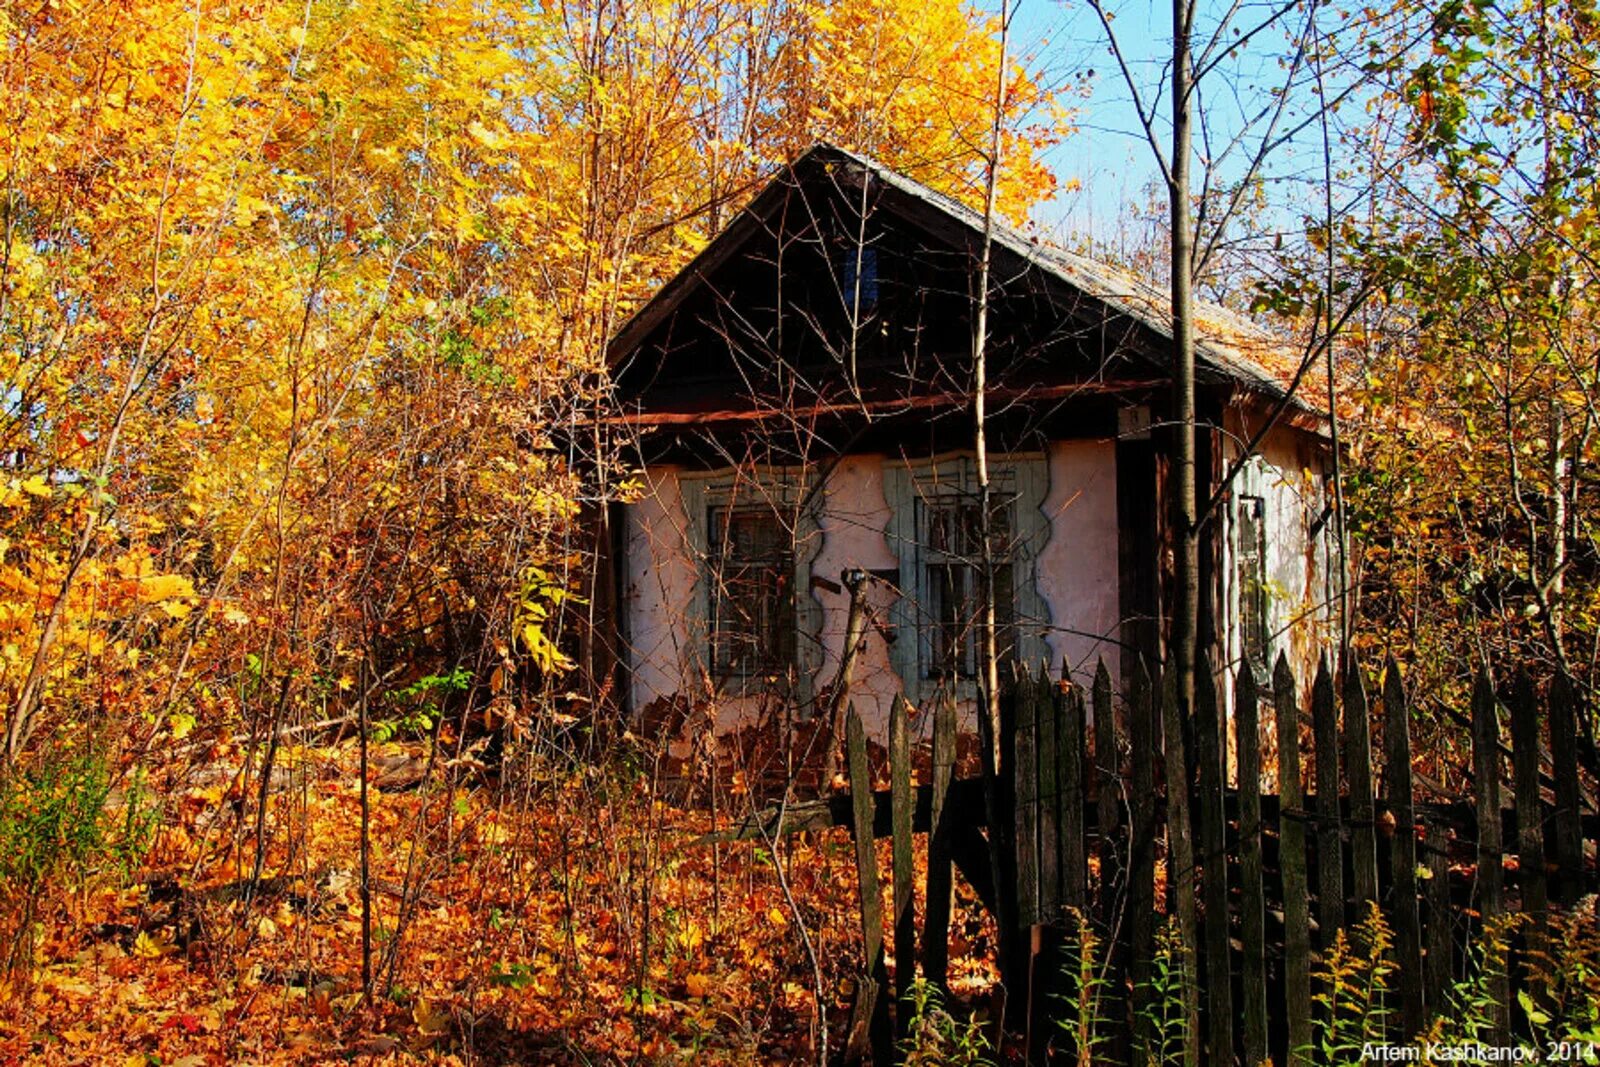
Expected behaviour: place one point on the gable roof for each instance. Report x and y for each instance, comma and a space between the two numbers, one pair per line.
1228, 345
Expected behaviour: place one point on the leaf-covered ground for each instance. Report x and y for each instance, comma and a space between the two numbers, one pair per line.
528, 913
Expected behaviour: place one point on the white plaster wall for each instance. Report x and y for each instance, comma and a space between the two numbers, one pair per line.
1297, 558
1077, 577
1299, 570
1078, 569
854, 513
660, 580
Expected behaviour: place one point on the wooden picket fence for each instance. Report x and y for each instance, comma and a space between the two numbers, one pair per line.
1120, 814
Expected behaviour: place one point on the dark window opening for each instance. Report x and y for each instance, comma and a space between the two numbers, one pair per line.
1252, 576
751, 564
858, 267
952, 536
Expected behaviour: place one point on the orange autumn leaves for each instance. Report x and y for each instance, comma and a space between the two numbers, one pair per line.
533, 931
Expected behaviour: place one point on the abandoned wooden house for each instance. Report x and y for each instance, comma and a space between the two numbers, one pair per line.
799, 403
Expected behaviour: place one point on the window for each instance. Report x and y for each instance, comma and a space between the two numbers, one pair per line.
952, 536
934, 529
750, 619
858, 266
1251, 569
751, 577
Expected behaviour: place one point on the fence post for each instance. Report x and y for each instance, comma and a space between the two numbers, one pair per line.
1358, 775
1025, 783
1252, 892
1486, 783
902, 803
1292, 865
1439, 963
1113, 870
1069, 770
1530, 808
1141, 922
1052, 806
1568, 814
1330, 859
1180, 863
1108, 779
1403, 849
936, 920
1214, 863
869, 1018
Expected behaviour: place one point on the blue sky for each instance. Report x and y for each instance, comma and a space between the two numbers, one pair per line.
1108, 154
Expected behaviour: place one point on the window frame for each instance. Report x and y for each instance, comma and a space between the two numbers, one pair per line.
1252, 486
785, 492
773, 651
935, 636
1022, 482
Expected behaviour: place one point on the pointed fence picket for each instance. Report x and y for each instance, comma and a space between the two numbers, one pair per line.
1097, 805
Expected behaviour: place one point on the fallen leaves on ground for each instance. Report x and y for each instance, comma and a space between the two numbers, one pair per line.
569, 925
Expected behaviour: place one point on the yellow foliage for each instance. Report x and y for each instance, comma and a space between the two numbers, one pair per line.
303, 298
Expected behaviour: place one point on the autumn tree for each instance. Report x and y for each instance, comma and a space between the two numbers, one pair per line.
1478, 370
303, 315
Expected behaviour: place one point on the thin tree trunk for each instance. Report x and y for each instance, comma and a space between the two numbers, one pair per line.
988, 651
363, 729
1185, 505
1185, 498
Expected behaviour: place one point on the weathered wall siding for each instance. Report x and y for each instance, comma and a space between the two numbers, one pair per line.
1077, 578
1296, 557
1291, 480
1078, 567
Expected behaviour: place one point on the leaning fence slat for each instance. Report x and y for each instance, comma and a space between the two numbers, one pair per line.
1025, 784
1439, 963
1292, 865
1486, 783
905, 929
1530, 807
936, 919
1113, 859
1214, 864
1141, 919
1069, 771
1180, 863
1358, 777
1108, 781
1330, 861
1568, 838
1051, 809
874, 988
1402, 849
1252, 891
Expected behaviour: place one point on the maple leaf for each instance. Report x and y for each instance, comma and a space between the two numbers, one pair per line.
149, 947
432, 1018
